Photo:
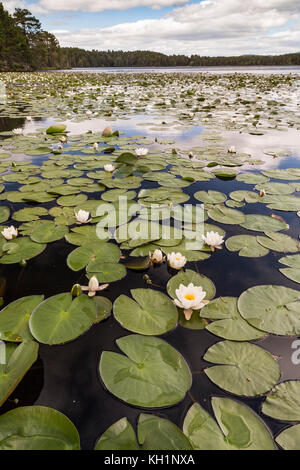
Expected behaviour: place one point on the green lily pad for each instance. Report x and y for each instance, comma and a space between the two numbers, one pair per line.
56, 129
236, 427
60, 319
283, 402
91, 254
246, 245
150, 313
14, 318
274, 309
151, 374
229, 323
48, 232
187, 277
154, 433
18, 360
289, 439
279, 242
225, 215
210, 197
29, 214
21, 249
37, 428
4, 214
263, 223
244, 368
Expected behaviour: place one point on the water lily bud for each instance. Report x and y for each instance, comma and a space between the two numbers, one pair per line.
76, 290
23, 263
146, 277
13, 164
174, 151
107, 132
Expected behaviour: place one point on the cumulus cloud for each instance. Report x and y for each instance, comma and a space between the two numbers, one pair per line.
44, 6
212, 27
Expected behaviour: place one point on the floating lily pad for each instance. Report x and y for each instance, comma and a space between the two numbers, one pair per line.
283, 402
60, 319
279, 242
263, 223
48, 232
4, 214
150, 313
289, 439
56, 129
244, 368
150, 374
92, 253
21, 249
187, 277
37, 428
274, 309
229, 323
246, 245
236, 427
154, 433
18, 360
14, 318
210, 197
29, 213
225, 215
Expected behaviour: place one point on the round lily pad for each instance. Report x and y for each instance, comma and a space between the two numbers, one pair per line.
60, 319
18, 360
150, 313
236, 427
14, 318
187, 277
283, 401
289, 439
244, 368
279, 242
229, 324
263, 223
246, 245
274, 309
91, 254
210, 197
48, 232
225, 215
150, 374
21, 249
37, 428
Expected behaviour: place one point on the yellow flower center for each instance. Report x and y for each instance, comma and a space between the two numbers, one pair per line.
189, 297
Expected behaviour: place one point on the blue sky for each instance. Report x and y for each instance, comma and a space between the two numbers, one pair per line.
206, 27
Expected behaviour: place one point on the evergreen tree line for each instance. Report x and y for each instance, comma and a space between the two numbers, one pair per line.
24, 46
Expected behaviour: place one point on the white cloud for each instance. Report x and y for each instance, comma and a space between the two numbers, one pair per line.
212, 27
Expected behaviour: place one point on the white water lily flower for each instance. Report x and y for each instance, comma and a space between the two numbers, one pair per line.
141, 152
28, 118
232, 149
190, 298
176, 260
156, 257
63, 139
213, 239
95, 146
10, 233
83, 217
93, 287
109, 168
17, 131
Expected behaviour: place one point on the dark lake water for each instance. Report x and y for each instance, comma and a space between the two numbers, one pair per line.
66, 377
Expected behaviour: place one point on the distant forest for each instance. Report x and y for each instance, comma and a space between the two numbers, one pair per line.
24, 46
